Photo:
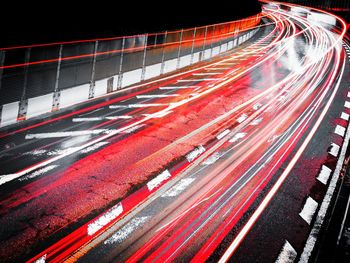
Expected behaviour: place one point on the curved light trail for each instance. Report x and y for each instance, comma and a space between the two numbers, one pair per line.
183, 169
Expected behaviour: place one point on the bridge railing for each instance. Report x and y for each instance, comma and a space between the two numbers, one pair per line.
43, 78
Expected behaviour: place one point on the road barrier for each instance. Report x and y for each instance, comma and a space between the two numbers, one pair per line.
45, 78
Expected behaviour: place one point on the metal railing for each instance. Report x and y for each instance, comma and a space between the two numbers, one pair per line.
42, 78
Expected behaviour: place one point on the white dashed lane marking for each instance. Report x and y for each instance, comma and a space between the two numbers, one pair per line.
324, 174
344, 116
222, 134
334, 150
309, 210
178, 87
287, 254
340, 130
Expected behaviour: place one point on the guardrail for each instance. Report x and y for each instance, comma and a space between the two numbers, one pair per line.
44, 78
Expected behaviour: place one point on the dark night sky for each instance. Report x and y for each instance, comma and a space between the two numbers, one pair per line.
40, 22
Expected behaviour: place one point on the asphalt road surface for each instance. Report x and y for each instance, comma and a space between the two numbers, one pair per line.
235, 159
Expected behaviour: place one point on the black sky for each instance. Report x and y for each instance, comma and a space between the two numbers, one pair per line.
47, 21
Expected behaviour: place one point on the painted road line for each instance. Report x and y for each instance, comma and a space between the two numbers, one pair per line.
179, 187
344, 116
119, 117
257, 106
205, 74
146, 105
37, 152
256, 121
155, 182
340, 130
212, 158
199, 80
132, 129
100, 118
238, 136
242, 118
65, 134
334, 150
179, 87
125, 231
157, 114
287, 254
112, 107
324, 174
222, 134
156, 96
311, 241
38, 172
42, 259
347, 104
93, 147
62, 151
195, 153
7, 178
309, 210
104, 219
87, 119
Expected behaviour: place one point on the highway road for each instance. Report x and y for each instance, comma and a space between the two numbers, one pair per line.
235, 159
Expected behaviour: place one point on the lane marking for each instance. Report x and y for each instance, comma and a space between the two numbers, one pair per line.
119, 117
179, 187
311, 241
112, 107
212, 158
65, 134
87, 119
340, 130
36, 152
157, 114
101, 118
256, 121
308, 210
344, 116
287, 254
238, 136
125, 231
242, 118
146, 105
334, 149
156, 96
155, 182
199, 80
195, 153
104, 219
222, 134
178, 87
254, 217
324, 174
132, 129
257, 106
42, 259
38, 172
94, 147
